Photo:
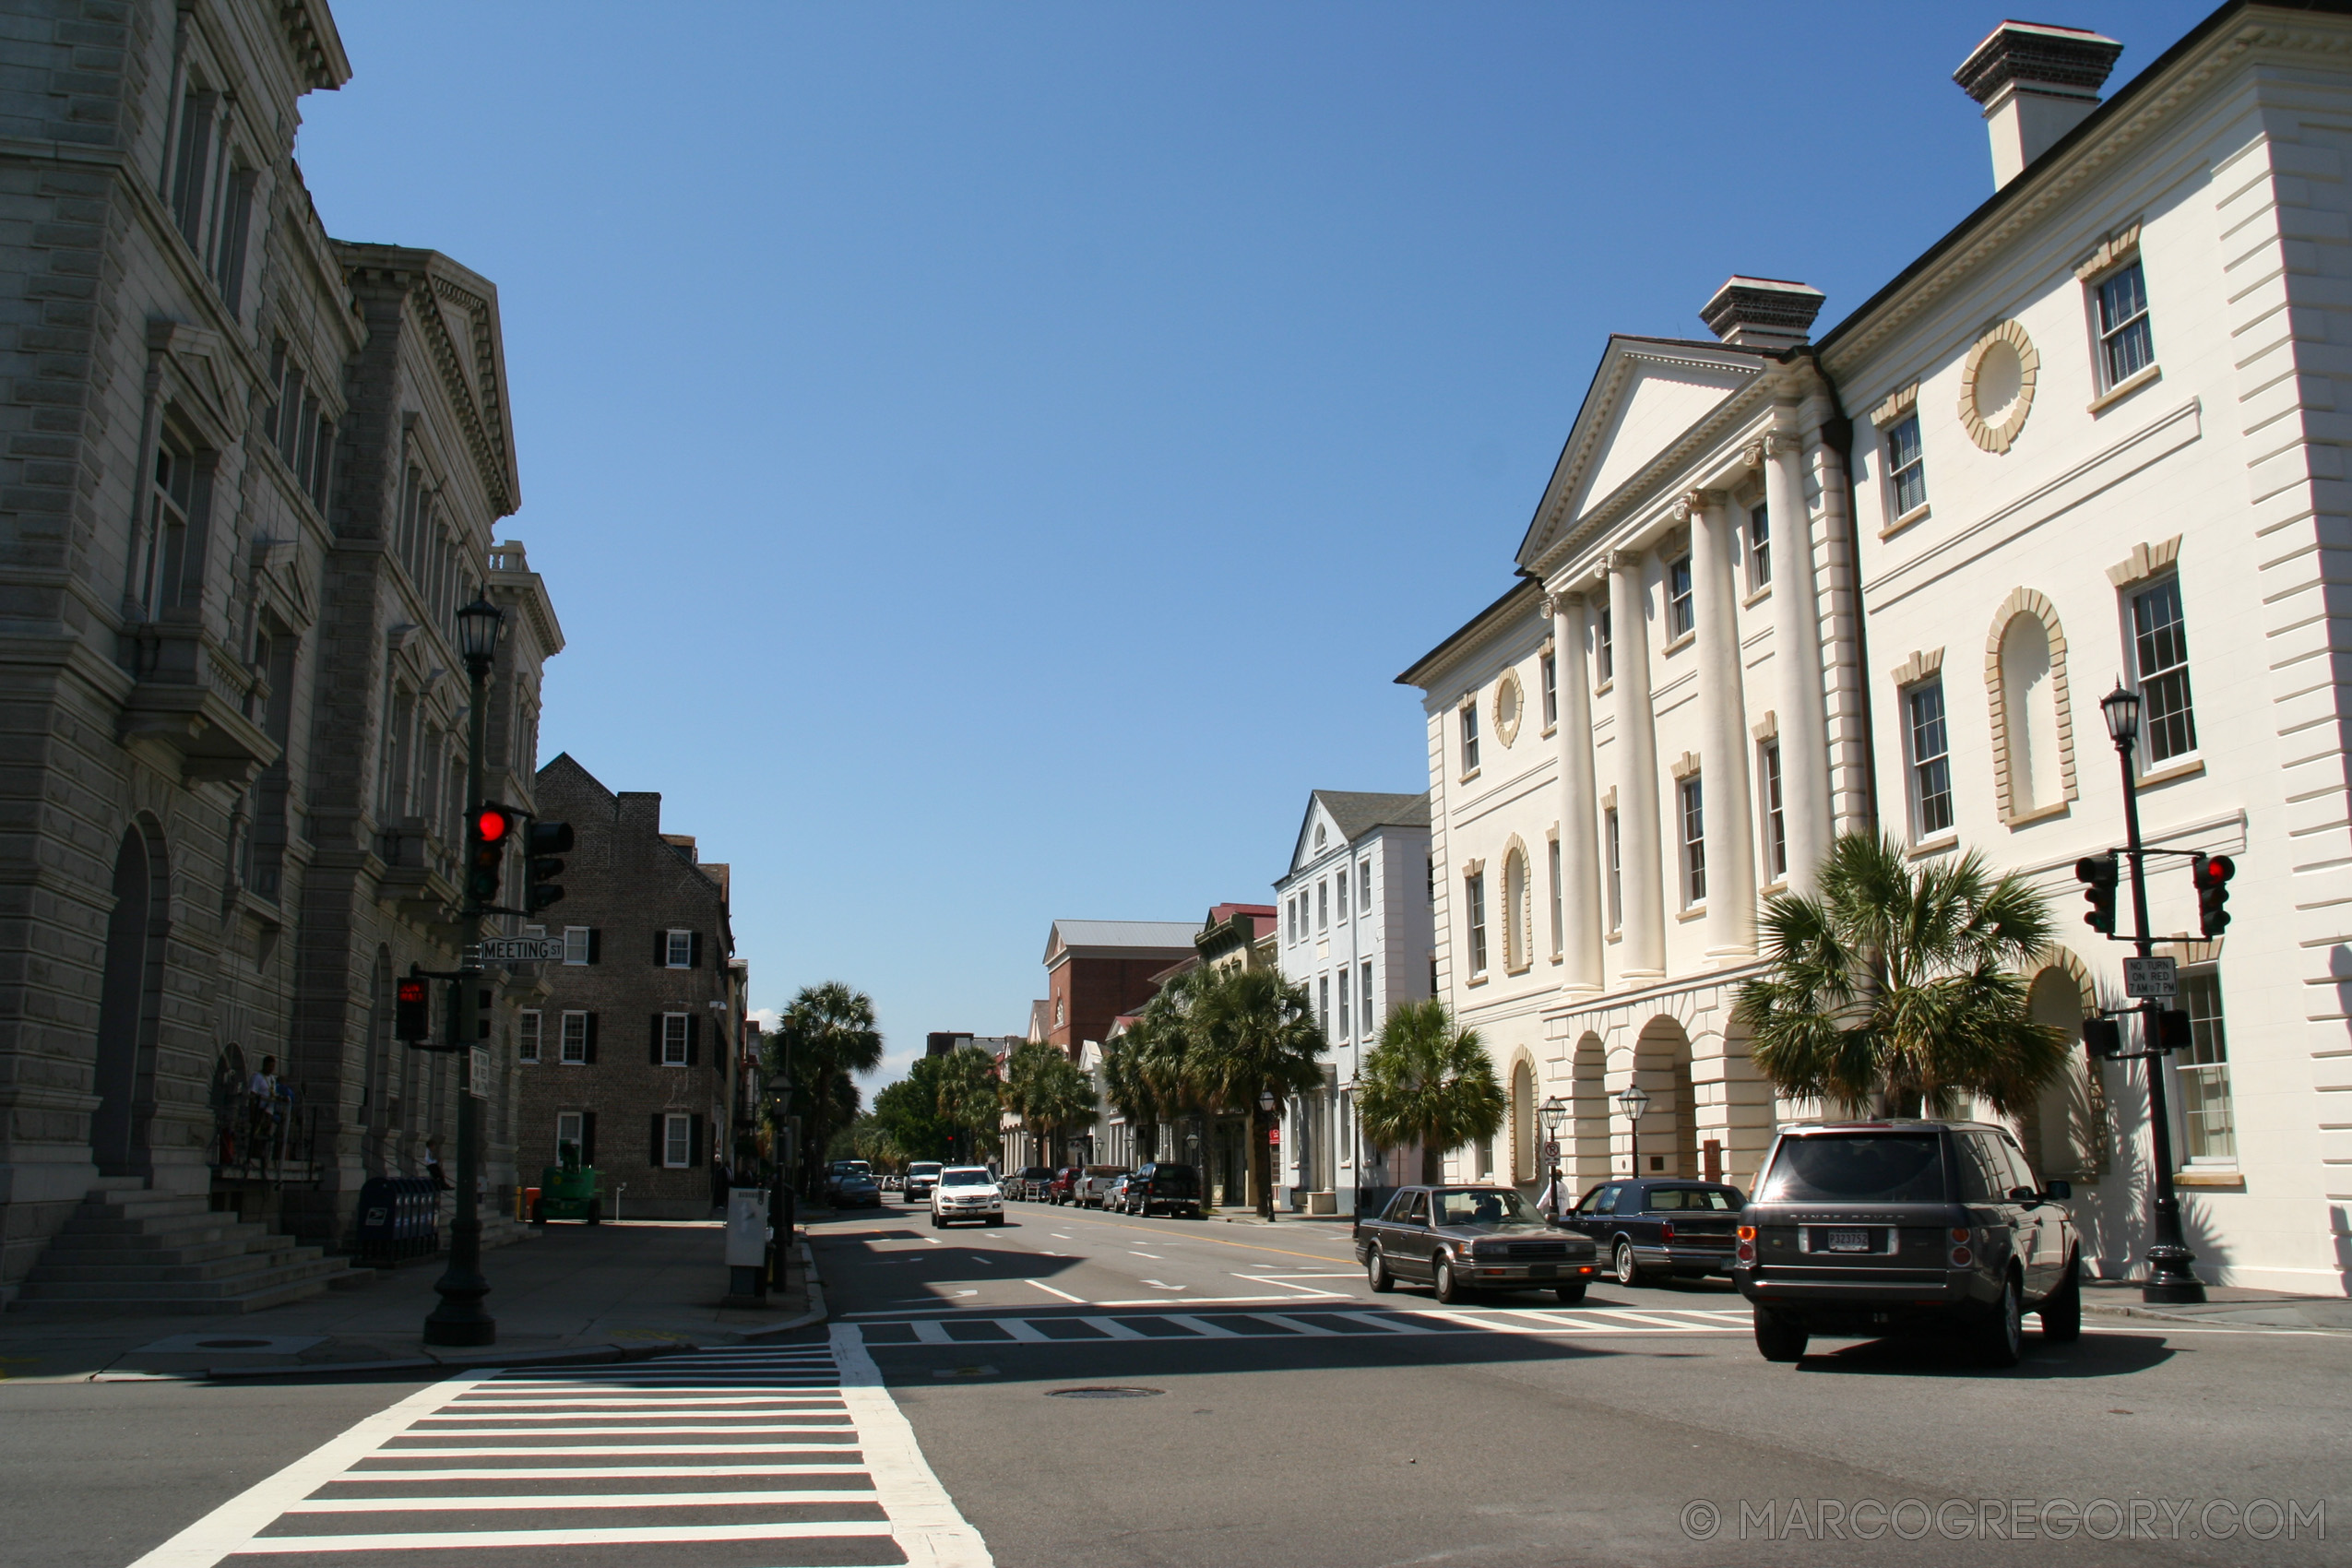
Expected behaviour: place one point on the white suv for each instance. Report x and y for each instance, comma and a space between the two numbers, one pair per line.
965, 1192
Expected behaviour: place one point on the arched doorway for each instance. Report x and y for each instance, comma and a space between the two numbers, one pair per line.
2062, 1129
130, 1006
1669, 1144
1588, 1111
1523, 1122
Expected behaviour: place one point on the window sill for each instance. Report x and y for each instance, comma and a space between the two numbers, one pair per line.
1676, 644
1695, 912
2039, 813
1478, 979
2217, 1179
1942, 843
1756, 598
1520, 970
2147, 376
1472, 774
1549, 731
1780, 884
2179, 767
1917, 513
1617, 935
1605, 687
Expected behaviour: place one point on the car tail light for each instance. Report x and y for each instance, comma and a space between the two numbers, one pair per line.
1961, 1258
1960, 1233
1667, 1230
1746, 1252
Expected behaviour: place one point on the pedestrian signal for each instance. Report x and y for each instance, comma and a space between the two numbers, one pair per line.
413, 1008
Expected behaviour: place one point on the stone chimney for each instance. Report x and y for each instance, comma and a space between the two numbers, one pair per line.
2036, 83
1763, 312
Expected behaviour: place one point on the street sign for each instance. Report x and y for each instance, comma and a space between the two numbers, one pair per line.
1274, 1134
1552, 1149
2150, 979
518, 950
478, 1080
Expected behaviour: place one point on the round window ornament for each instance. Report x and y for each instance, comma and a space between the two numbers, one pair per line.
1509, 703
1997, 386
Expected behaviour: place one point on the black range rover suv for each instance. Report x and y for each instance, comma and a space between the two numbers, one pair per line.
1870, 1227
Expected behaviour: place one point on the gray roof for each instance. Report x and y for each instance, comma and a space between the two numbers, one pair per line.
1358, 815
1174, 937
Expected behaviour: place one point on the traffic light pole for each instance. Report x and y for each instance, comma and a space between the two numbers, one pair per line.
459, 1319
2171, 1277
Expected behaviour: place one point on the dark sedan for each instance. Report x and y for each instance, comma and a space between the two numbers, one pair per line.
856, 1192
1459, 1241
1656, 1226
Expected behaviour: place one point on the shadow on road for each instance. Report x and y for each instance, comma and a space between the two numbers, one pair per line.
2094, 1354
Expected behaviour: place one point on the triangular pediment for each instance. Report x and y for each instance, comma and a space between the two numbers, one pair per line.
1648, 395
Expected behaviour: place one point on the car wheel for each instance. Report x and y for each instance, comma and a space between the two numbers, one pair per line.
996, 1219
596, 1211
1570, 1295
2061, 1311
1376, 1273
1622, 1267
2003, 1338
538, 1214
1779, 1336
936, 1222
1449, 1290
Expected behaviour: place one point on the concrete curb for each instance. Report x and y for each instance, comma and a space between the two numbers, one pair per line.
602, 1355
2210, 1319
809, 1319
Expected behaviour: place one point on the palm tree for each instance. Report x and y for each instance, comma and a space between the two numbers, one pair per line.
1053, 1095
1126, 1087
825, 1038
1899, 989
1255, 1034
971, 1098
1427, 1082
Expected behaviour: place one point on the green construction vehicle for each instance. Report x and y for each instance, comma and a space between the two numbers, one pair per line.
567, 1189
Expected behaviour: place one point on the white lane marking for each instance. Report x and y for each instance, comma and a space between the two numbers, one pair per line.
924, 1519
976, 1258
1060, 1236
1049, 1290
1283, 1283
233, 1525
934, 1241
1156, 1257
1202, 1327
1301, 1273
1200, 1300
1163, 1285
595, 1472
1634, 1317
565, 1501
634, 1401
1020, 1329
651, 1535
633, 1450
1381, 1320
932, 1333
1298, 1325
831, 1422
1113, 1328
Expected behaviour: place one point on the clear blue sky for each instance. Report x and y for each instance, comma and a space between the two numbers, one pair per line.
991, 461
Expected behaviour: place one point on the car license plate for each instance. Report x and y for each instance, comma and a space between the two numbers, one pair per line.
1542, 1270
1848, 1242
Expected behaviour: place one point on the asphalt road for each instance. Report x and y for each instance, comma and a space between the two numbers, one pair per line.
1273, 1411
1298, 1418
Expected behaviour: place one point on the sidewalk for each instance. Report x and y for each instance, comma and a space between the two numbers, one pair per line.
2225, 1305
608, 1290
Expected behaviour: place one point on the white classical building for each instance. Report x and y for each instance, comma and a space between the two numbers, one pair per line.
1355, 930
1777, 589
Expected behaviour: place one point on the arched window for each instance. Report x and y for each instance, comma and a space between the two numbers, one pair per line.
1515, 944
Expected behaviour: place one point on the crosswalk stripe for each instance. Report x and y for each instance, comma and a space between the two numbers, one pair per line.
651, 1535
569, 1500
1113, 1328
595, 1472
1199, 1325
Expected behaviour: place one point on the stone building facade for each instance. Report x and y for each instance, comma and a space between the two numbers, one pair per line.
1787, 589
630, 1046
247, 474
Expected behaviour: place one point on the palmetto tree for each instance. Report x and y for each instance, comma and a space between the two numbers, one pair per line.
1127, 1090
971, 1098
826, 1037
1897, 988
1052, 1095
1429, 1083
1254, 1034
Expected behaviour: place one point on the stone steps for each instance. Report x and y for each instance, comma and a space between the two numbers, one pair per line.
127, 1250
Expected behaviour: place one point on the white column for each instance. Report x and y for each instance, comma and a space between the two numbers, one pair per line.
1723, 730
1641, 936
1796, 656
1582, 918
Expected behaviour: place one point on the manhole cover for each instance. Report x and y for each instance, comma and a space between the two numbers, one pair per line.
233, 1343
1104, 1392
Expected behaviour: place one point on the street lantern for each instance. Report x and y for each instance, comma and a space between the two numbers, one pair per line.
477, 627
1632, 1100
2121, 709
1267, 1103
1552, 1115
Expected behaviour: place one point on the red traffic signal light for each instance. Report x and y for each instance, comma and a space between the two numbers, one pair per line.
492, 824
2098, 875
494, 830
2213, 874
412, 1007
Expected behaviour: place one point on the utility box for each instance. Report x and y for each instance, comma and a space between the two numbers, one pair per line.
747, 1247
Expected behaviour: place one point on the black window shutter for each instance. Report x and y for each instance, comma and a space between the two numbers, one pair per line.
694, 1039
656, 1140
693, 1143
587, 1137
654, 1055
591, 1037
660, 948
694, 951
596, 943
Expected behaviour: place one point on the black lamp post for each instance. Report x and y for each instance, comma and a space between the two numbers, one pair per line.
1633, 1099
2171, 1277
459, 1319
1551, 1116
1266, 1104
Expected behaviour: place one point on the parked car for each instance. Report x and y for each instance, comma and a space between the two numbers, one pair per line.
840, 1168
923, 1175
1060, 1190
1654, 1225
1459, 1241
1936, 1228
1030, 1182
1115, 1195
965, 1192
855, 1191
1171, 1189
1092, 1187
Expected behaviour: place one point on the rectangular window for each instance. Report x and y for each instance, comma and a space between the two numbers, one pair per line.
1322, 1004
576, 945
1322, 906
678, 949
1759, 547
1346, 1030
1291, 916
1931, 759
568, 1127
1469, 737
673, 1040
1695, 845
1907, 468
1604, 649
2126, 346
2207, 1132
1342, 882
1616, 880
575, 1038
2160, 659
1364, 889
1364, 1013
1474, 891
677, 1141
1558, 935
1551, 691
1679, 617
527, 1035
1776, 834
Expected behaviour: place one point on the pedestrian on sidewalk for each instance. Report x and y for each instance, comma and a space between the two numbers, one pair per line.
721, 1179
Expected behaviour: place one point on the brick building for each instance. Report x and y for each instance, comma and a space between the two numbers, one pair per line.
1096, 969
631, 1045
250, 474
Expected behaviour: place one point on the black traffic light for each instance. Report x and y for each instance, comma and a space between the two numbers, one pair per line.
2102, 1037
543, 847
2213, 874
2171, 1031
2097, 874
412, 1007
492, 830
